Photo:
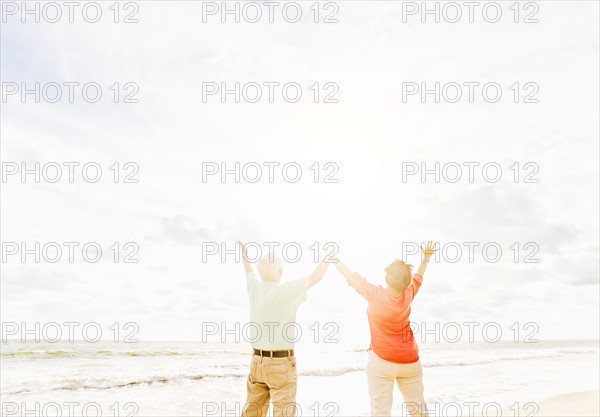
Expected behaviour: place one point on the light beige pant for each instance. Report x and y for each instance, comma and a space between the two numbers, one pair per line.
271, 379
381, 375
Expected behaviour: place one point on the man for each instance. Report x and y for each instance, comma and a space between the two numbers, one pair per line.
273, 309
393, 354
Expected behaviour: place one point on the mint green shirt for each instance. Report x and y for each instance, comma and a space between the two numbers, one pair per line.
273, 308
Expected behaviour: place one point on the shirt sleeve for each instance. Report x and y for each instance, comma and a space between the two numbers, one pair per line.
417, 281
295, 291
362, 286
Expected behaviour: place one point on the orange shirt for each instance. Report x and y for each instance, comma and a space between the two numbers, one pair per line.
392, 338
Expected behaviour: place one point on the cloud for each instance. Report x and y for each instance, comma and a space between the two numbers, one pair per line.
500, 213
42, 278
193, 285
162, 269
182, 230
584, 272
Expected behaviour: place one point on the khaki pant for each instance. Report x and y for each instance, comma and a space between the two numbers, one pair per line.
271, 379
381, 375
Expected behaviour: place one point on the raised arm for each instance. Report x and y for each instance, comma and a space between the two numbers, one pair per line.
361, 285
427, 252
318, 273
247, 264
344, 270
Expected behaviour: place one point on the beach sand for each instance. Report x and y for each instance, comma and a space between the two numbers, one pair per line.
573, 405
348, 396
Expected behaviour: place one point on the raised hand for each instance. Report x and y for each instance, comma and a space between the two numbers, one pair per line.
244, 251
247, 265
429, 250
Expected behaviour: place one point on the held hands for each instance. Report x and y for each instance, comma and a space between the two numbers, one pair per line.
428, 251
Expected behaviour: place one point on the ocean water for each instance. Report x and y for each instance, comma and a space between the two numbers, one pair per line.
193, 378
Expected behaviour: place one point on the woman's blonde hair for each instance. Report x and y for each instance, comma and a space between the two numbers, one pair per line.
398, 275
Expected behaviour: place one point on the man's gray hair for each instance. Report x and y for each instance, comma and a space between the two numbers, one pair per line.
270, 268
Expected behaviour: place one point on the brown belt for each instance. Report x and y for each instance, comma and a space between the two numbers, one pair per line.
274, 353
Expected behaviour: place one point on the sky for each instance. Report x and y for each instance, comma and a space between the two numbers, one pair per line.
170, 214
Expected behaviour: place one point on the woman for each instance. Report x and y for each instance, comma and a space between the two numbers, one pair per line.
393, 353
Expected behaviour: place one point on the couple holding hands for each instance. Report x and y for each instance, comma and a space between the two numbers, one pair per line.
393, 352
